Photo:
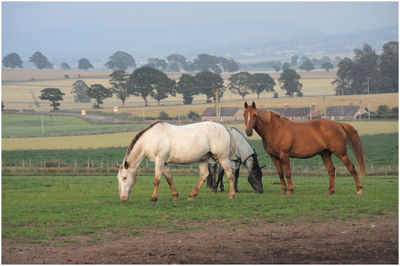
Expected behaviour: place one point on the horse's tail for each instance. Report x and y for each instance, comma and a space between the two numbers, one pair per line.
354, 139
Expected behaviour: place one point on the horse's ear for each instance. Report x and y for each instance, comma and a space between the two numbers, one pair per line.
253, 105
117, 165
245, 105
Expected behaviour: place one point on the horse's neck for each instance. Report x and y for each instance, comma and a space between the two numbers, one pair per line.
262, 125
136, 155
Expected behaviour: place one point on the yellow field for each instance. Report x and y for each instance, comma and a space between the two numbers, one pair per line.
18, 94
123, 139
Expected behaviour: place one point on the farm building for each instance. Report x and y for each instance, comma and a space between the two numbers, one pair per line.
225, 113
344, 112
298, 113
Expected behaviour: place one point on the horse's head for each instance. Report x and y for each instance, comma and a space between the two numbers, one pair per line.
126, 180
250, 117
255, 174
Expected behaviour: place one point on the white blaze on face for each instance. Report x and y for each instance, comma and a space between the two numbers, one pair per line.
126, 180
248, 118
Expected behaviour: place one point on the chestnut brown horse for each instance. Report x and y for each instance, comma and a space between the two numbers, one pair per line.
283, 138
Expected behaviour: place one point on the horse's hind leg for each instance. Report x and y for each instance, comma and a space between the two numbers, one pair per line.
326, 157
279, 169
168, 177
350, 166
203, 169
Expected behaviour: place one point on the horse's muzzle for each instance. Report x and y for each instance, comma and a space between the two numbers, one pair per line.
124, 198
249, 132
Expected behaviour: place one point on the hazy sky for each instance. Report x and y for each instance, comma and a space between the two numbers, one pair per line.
330, 17
23, 22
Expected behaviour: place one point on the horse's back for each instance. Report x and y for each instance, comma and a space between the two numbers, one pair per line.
187, 143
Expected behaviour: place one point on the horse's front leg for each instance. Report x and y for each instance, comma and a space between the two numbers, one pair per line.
158, 169
236, 174
288, 174
279, 169
168, 177
220, 181
203, 169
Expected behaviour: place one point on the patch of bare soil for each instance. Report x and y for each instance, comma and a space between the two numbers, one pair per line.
372, 241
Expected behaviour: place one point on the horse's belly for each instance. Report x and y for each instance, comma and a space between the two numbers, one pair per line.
186, 152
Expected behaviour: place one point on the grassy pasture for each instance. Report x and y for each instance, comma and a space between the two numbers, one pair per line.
123, 139
39, 209
23, 125
381, 151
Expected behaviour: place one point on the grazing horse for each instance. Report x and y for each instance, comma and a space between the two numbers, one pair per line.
164, 143
244, 154
283, 138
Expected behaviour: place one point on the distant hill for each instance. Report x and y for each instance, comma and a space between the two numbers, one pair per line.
237, 40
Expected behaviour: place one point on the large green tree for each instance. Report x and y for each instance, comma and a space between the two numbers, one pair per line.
187, 87
306, 65
361, 75
120, 61
156, 63
80, 91
54, 95
40, 61
261, 82
147, 81
12, 61
162, 87
99, 93
240, 83
118, 81
84, 64
389, 66
289, 81
209, 83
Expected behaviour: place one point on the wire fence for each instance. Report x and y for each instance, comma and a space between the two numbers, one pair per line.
86, 167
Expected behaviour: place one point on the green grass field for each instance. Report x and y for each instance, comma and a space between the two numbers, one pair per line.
23, 125
381, 150
37, 209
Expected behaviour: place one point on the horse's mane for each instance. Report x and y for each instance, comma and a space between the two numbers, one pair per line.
264, 114
138, 135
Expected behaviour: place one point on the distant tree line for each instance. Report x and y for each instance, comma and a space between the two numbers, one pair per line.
147, 82
296, 62
369, 73
122, 61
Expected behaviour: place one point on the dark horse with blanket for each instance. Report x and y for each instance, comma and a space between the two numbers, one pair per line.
283, 138
244, 154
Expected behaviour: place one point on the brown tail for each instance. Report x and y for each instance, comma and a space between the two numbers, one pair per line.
354, 139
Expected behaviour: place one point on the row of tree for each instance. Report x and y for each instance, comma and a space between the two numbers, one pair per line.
369, 73
123, 61
148, 82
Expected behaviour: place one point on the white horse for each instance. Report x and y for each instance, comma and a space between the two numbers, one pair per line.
164, 143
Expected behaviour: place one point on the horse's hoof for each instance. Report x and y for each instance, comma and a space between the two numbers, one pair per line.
360, 192
222, 190
154, 199
214, 190
283, 192
190, 198
232, 196
329, 192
